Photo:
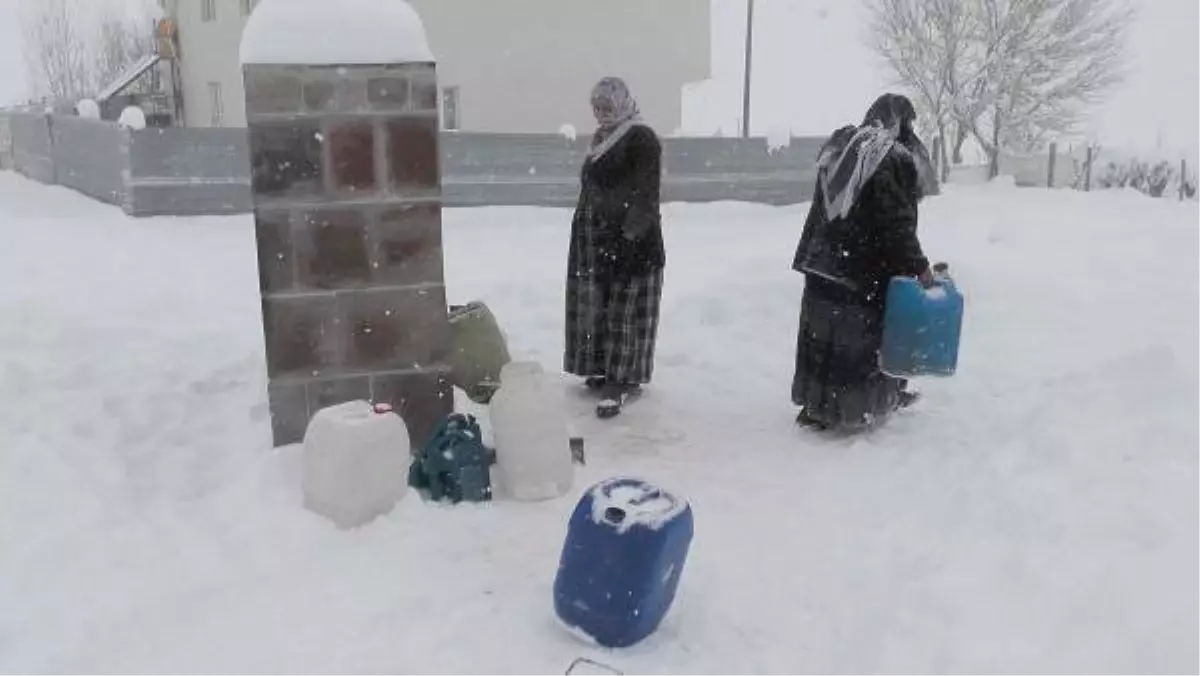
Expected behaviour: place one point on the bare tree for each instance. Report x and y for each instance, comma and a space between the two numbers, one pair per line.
925, 43
120, 43
55, 50
1041, 63
1009, 73
73, 48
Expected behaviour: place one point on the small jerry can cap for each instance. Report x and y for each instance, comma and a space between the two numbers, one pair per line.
623, 503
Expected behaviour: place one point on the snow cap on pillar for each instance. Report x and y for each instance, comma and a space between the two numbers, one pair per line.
346, 32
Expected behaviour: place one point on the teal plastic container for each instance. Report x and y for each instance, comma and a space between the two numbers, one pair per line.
921, 328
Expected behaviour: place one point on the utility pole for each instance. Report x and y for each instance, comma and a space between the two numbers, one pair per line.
746, 77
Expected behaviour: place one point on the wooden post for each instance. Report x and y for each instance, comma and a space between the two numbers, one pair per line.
1050, 165
1182, 179
937, 157
1087, 169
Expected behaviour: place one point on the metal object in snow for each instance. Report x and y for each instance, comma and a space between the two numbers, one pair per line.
590, 667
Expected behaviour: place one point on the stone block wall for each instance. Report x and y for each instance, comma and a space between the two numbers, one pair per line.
344, 166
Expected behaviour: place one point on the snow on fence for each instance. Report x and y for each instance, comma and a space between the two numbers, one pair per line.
178, 171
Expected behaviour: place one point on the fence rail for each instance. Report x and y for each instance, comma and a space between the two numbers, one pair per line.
1093, 168
205, 171
175, 171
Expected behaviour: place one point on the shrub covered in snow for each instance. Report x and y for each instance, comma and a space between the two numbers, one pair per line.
778, 139
132, 118
88, 109
1157, 179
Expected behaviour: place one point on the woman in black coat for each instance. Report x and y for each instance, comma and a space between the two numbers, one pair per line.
860, 232
616, 257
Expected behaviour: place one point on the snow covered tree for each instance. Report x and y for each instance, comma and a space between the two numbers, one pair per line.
73, 48
121, 42
1010, 73
56, 56
1038, 65
924, 42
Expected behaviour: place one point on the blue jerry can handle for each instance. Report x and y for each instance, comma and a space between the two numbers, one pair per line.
941, 276
922, 326
945, 282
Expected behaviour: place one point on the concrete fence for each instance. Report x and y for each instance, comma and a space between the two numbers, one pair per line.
206, 171
145, 172
85, 155
6, 158
32, 149
176, 171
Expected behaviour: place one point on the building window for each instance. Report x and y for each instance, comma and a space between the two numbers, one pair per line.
450, 114
208, 10
248, 6
216, 105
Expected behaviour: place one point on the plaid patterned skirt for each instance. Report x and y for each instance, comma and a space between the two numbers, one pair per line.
612, 327
837, 379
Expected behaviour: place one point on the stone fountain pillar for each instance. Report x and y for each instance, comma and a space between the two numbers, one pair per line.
343, 144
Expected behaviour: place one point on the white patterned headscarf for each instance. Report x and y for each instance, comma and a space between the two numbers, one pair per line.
851, 157
616, 113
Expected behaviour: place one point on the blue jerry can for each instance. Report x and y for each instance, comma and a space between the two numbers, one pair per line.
921, 328
626, 545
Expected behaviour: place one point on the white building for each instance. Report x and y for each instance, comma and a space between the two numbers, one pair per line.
503, 65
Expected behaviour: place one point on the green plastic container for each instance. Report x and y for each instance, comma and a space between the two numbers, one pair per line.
479, 351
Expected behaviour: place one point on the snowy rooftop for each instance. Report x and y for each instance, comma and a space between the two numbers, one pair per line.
348, 32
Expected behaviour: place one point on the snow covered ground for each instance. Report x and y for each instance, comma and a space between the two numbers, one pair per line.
1036, 513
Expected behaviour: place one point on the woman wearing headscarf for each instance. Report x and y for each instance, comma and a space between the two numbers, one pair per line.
860, 232
616, 257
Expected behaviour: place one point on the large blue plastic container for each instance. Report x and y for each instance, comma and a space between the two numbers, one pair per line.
921, 328
626, 545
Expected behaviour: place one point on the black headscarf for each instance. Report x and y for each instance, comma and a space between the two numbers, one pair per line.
852, 155
900, 107
893, 111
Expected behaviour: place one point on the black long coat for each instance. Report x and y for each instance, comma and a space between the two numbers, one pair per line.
848, 264
877, 241
619, 210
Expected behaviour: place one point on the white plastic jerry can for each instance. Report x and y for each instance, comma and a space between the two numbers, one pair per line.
355, 463
529, 426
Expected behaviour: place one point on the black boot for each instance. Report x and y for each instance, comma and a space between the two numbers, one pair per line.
806, 420
907, 399
615, 396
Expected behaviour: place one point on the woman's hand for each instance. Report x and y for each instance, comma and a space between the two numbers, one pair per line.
926, 278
